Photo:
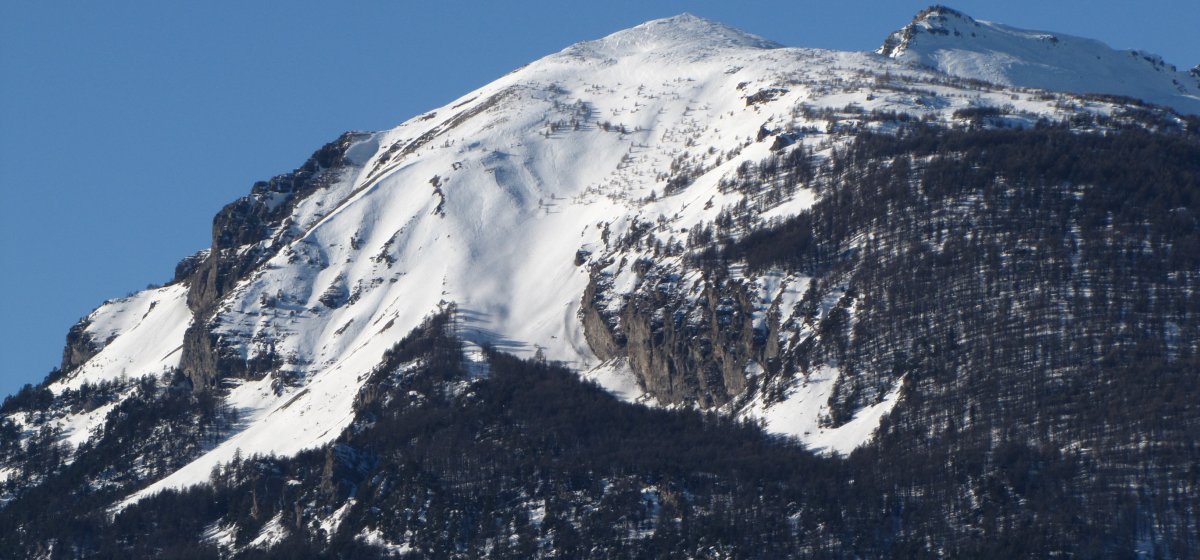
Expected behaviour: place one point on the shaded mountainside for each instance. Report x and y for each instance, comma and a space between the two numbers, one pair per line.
762, 302
530, 462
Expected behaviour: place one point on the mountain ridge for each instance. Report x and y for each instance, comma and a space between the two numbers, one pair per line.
953, 42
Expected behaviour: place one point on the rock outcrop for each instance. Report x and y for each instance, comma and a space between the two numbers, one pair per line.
79, 347
245, 233
686, 344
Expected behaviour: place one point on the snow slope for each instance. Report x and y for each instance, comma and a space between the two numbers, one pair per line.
487, 201
138, 336
141, 335
959, 45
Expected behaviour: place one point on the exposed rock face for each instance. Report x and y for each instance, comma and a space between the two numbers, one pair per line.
342, 472
683, 349
79, 348
185, 267
245, 233
605, 341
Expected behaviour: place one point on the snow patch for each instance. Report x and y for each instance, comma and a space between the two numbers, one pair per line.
223, 535
805, 407
616, 377
272, 533
375, 538
78, 428
330, 524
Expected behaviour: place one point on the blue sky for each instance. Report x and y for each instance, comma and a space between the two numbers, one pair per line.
125, 126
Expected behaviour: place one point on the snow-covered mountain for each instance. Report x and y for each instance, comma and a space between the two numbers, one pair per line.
957, 44
487, 201
598, 208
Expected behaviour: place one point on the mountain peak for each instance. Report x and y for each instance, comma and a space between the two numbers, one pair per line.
939, 16
934, 20
957, 44
939, 13
685, 32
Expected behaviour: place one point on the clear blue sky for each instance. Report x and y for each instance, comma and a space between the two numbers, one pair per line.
125, 126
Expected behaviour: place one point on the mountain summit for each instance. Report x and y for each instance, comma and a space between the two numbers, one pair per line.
684, 33
957, 44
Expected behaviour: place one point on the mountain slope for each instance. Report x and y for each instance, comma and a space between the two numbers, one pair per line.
874, 259
488, 201
959, 45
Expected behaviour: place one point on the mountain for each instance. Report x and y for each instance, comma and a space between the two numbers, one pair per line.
955, 43
679, 290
